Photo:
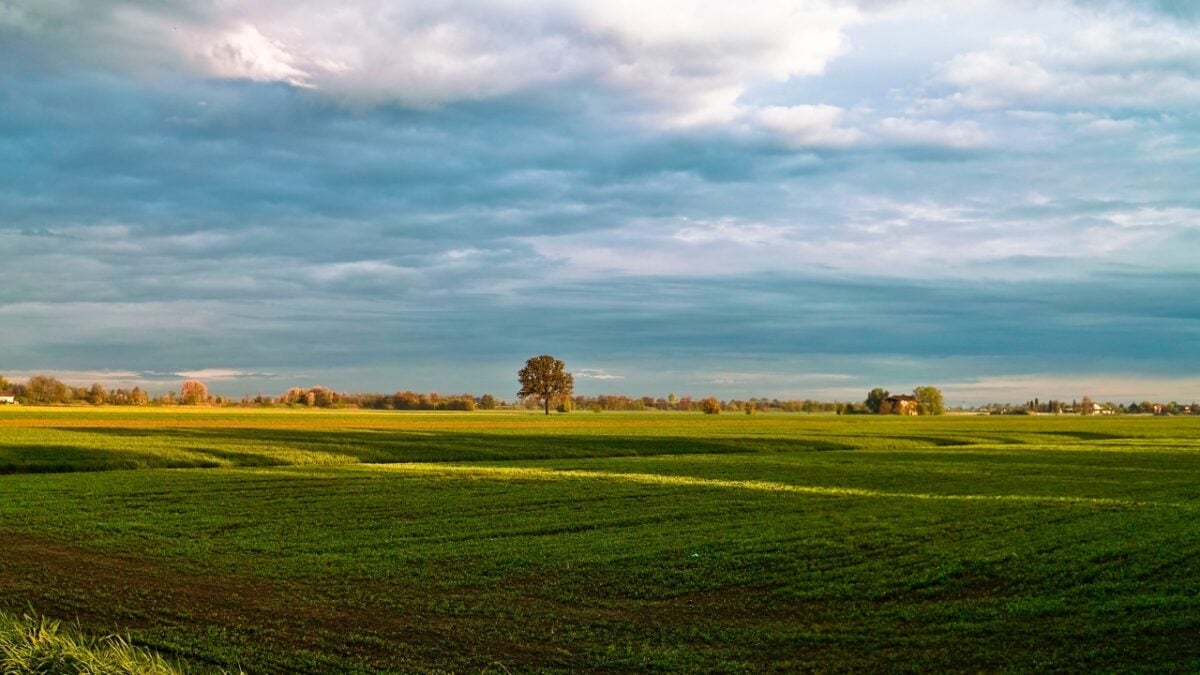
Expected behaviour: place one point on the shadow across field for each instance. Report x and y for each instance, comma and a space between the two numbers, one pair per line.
16, 459
110, 448
1084, 435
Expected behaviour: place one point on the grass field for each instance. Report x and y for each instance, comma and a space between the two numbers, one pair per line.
328, 541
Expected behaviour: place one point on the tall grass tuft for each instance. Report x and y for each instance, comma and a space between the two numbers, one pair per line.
41, 645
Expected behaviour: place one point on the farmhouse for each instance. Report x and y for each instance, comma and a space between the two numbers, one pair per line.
7, 398
898, 405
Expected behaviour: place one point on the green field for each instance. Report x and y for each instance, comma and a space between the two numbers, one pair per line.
354, 541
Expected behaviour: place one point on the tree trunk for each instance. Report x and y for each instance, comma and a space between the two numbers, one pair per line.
547, 400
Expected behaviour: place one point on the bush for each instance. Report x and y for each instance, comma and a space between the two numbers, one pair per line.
710, 406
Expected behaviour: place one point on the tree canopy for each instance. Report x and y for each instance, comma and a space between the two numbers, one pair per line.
545, 378
875, 398
193, 392
929, 401
46, 390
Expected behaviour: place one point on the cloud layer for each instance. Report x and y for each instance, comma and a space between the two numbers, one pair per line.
683, 196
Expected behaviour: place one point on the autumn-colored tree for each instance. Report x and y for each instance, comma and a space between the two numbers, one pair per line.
97, 395
546, 379
193, 392
322, 397
710, 406
1086, 406
43, 389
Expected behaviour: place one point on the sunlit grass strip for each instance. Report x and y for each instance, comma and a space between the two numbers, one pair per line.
40, 645
531, 473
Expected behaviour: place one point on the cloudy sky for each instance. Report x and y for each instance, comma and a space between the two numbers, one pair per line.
794, 198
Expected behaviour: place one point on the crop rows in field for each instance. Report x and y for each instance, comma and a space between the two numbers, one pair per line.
293, 541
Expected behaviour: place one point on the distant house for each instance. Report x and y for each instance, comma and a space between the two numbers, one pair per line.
8, 398
898, 405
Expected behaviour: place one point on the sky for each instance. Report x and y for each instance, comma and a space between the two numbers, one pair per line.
783, 198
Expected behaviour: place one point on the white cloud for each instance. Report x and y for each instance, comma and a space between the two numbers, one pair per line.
1172, 218
1084, 59
69, 321
696, 58
1100, 387
809, 126
832, 127
731, 231
1008, 72
215, 374
359, 269
1106, 126
81, 378
690, 60
246, 53
596, 374
959, 135
133, 378
879, 237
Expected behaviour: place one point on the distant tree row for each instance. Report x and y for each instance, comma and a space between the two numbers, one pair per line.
46, 390
320, 397
606, 402
408, 400
1087, 406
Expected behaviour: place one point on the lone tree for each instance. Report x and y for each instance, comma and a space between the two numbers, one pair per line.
875, 399
546, 378
193, 392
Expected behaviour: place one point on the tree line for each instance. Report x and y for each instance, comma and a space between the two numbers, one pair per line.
554, 390
672, 402
1087, 406
47, 390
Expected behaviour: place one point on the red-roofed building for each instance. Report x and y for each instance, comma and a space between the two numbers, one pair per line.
898, 405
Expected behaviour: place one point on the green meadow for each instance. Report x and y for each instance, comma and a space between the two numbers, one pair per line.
273, 541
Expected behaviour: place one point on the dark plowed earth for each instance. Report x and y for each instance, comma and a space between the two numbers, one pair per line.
106, 592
